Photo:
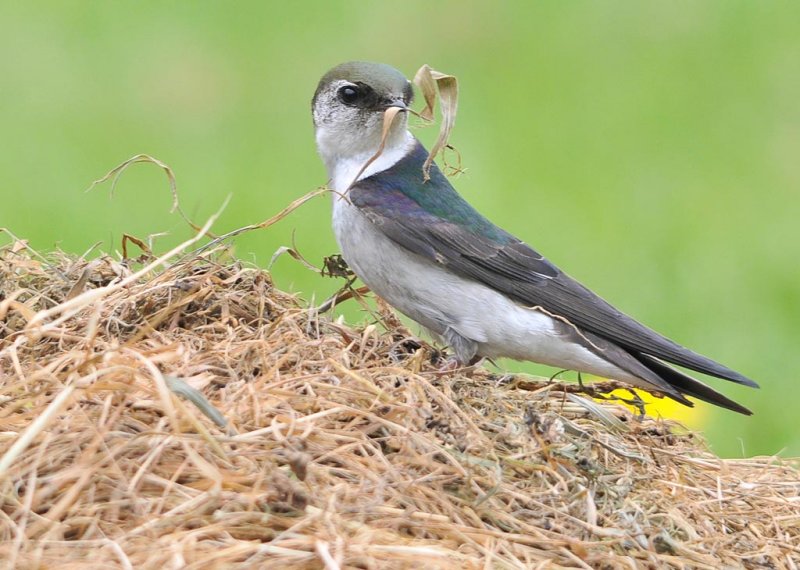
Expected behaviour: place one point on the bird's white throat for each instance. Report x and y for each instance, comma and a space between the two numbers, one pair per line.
344, 161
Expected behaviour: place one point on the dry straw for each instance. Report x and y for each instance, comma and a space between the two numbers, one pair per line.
180, 412
337, 446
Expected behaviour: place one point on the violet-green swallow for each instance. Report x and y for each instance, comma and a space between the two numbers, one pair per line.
421, 247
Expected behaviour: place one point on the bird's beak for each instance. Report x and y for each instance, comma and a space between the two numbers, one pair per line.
398, 103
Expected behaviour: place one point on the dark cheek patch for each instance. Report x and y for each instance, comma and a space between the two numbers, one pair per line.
368, 98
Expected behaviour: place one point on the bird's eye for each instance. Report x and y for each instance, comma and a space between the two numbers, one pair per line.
349, 94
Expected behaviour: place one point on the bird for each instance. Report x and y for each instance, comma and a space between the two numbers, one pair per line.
417, 244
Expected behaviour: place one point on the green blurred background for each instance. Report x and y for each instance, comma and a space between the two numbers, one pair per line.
651, 149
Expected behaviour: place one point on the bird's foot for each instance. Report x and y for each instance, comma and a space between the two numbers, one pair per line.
453, 364
450, 365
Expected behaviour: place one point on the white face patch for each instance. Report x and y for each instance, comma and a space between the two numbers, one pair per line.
329, 109
345, 133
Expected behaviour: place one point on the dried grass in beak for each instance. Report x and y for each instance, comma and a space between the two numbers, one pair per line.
388, 118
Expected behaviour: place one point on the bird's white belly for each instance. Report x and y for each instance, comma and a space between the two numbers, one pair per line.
438, 299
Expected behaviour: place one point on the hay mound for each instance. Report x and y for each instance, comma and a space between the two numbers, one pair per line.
345, 447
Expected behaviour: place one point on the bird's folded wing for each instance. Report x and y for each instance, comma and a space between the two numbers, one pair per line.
469, 245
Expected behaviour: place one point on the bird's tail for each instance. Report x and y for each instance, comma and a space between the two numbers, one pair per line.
689, 386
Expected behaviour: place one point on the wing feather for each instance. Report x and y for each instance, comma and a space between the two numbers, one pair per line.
433, 221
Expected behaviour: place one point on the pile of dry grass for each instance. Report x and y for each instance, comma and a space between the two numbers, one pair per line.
344, 446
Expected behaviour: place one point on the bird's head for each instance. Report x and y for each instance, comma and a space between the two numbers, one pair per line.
349, 105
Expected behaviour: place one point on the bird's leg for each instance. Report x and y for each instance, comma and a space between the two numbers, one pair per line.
464, 348
465, 351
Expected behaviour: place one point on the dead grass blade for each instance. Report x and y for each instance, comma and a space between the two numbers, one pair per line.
116, 173
433, 83
388, 118
344, 447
